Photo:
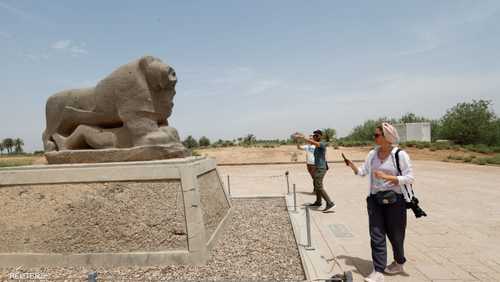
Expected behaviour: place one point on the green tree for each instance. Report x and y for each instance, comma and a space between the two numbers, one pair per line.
190, 142
470, 123
365, 131
249, 139
411, 117
329, 134
436, 129
204, 141
1, 148
18, 144
497, 130
8, 143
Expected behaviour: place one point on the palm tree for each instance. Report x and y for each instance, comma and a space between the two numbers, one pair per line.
249, 139
19, 143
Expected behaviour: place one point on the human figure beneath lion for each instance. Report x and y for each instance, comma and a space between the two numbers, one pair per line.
99, 138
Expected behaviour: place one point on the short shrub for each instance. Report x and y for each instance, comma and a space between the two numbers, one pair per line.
494, 160
468, 159
480, 161
480, 148
456, 158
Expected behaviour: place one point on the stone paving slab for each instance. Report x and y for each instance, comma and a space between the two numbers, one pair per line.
458, 241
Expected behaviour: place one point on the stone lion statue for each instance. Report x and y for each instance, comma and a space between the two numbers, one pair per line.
128, 108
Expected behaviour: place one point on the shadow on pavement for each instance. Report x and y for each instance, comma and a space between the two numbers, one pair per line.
363, 266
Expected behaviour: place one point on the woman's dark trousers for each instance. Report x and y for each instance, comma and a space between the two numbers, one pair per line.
387, 220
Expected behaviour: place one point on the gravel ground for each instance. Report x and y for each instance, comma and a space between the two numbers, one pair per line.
75, 218
257, 245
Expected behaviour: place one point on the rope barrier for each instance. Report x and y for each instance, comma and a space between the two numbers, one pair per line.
255, 176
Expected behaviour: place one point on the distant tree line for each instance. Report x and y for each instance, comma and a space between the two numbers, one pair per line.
249, 140
465, 123
11, 146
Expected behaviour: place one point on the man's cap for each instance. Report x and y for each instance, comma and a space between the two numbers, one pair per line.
318, 132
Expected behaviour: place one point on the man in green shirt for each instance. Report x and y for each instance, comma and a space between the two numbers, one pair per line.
321, 168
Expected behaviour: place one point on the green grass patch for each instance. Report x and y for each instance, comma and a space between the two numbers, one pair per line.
483, 149
494, 160
6, 162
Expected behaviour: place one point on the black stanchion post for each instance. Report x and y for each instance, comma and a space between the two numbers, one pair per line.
228, 185
308, 229
294, 199
287, 183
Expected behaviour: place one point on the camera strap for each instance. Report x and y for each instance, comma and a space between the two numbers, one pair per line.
410, 195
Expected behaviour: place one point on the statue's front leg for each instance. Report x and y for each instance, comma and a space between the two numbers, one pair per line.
144, 130
172, 134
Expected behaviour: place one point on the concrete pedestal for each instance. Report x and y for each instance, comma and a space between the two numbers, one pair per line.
123, 214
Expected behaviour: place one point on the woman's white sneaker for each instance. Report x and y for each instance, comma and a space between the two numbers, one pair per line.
375, 277
394, 268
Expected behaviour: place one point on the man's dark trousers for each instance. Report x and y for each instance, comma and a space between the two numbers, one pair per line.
319, 174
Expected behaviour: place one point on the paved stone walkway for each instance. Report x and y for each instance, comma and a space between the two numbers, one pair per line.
458, 241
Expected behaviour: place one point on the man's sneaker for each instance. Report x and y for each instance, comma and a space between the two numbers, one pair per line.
315, 204
329, 206
394, 268
375, 277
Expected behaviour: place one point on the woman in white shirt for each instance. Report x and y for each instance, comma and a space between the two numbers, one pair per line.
386, 201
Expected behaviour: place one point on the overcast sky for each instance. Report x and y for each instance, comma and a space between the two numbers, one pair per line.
268, 68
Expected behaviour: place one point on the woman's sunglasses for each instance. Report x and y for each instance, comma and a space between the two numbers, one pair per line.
377, 135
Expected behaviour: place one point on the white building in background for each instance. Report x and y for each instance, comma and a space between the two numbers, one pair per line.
418, 131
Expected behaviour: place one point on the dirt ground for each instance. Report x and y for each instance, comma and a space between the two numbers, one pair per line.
17, 160
290, 153
278, 154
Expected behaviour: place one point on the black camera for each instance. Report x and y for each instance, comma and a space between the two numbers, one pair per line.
417, 210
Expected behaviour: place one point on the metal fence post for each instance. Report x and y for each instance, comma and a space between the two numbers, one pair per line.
308, 229
228, 186
294, 199
287, 183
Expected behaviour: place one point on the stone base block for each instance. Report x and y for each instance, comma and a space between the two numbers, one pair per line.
141, 153
134, 213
